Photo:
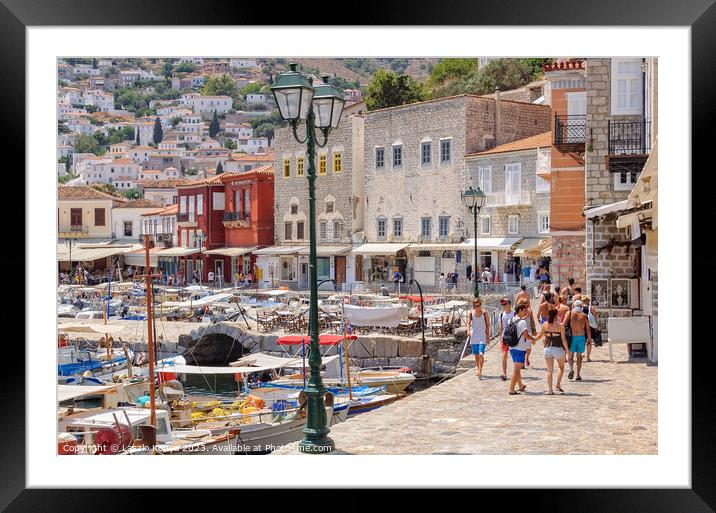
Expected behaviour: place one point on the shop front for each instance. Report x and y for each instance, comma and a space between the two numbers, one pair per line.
227, 262
279, 266
330, 265
493, 254
380, 261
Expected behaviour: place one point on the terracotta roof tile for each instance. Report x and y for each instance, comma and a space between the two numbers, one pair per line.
543, 140
257, 157
83, 192
140, 203
170, 183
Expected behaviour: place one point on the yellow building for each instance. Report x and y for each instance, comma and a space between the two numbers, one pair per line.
85, 213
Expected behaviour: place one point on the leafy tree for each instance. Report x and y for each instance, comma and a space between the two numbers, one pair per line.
536, 66
503, 73
158, 133
168, 69
185, 67
253, 87
230, 144
214, 127
85, 144
388, 89
67, 177
192, 171
132, 193
264, 126
175, 120
219, 85
219, 168
107, 188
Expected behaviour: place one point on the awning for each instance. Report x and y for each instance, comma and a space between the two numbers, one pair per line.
529, 247
67, 392
178, 252
91, 328
231, 252
489, 243
89, 254
606, 209
380, 249
434, 246
547, 250
138, 257
279, 250
328, 250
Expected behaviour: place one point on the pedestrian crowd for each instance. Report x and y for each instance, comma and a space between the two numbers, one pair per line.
567, 328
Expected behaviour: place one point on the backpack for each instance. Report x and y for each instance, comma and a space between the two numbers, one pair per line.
511, 338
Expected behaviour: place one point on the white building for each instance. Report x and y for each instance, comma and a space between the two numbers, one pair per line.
243, 63
126, 220
259, 98
107, 170
102, 100
207, 105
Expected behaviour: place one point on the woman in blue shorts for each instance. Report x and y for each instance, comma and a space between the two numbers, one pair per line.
478, 328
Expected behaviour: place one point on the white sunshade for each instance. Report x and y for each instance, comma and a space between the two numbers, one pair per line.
67, 392
257, 362
231, 252
95, 327
606, 209
279, 250
178, 251
89, 254
530, 246
435, 246
327, 250
489, 243
386, 248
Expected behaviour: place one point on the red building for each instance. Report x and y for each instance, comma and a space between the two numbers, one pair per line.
222, 220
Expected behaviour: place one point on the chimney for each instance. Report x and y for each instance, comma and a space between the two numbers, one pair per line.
498, 117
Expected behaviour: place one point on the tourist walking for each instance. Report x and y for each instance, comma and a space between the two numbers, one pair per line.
581, 334
577, 296
524, 297
195, 277
453, 279
562, 311
591, 312
486, 275
478, 327
210, 277
442, 283
568, 292
555, 348
519, 351
506, 316
397, 280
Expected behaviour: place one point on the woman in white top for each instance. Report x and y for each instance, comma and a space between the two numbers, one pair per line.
478, 328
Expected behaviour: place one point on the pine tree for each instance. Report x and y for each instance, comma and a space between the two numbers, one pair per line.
214, 127
158, 132
219, 168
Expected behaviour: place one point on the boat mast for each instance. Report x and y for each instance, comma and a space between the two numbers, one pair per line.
345, 349
150, 339
106, 312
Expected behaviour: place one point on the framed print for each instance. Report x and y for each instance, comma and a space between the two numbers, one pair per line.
213, 184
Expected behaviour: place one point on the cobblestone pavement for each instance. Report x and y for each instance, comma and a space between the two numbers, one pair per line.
612, 411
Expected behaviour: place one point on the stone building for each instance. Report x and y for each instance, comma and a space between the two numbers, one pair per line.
415, 173
621, 117
339, 205
566, 173
514, 223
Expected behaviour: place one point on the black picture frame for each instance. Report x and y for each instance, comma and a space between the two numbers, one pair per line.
16, 15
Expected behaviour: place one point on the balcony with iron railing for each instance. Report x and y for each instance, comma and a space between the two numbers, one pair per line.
236, 219
629, 145
508, 199
570, 132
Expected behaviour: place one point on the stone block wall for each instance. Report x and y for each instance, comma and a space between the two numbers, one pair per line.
568, 260
331, 186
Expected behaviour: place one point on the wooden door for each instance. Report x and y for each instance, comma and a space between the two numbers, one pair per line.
340, 269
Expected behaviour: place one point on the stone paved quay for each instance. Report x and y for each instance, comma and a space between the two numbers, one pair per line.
612, 411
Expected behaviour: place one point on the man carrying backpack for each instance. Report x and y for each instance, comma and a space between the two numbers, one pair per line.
568, 292
518, 337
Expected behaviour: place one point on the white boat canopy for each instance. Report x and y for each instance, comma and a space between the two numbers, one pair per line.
261, 362
67, 392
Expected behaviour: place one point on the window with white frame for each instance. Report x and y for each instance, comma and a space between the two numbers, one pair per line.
381, 228
199, 204
398, 155
397, 227
288, 229
425, 227
218, 201
444, 226
380, 158
543, 222
182, 204
513, 183
626, 86
445, 150
425, 153
484, 177
513, 224
625, 181
485, 225
336, 230
541, 185
322, 230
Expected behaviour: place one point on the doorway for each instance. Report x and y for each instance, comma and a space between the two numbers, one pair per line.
340, 269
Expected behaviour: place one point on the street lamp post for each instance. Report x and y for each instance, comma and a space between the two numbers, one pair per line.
201, 237
474, 201
321, 107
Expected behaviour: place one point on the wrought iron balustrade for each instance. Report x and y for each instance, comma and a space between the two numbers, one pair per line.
629, 137
570, 129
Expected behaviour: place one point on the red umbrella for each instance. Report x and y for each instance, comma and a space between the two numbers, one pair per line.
324, 340
416, 299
